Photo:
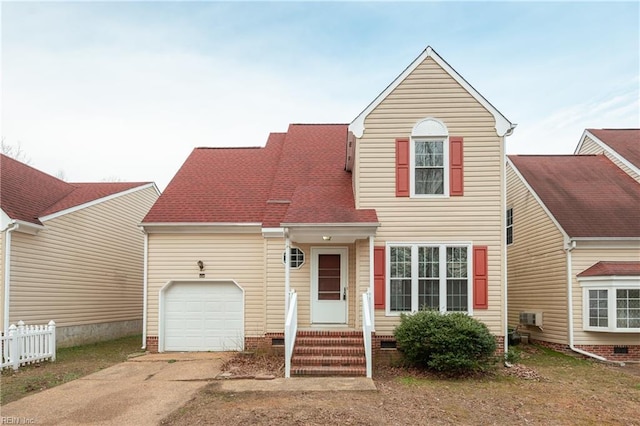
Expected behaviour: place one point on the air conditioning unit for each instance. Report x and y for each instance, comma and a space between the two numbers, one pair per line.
531, 318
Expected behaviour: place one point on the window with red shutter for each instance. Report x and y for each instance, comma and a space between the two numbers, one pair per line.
402, 167
429, 276
422, 168
379, 277
456, 163
480, 277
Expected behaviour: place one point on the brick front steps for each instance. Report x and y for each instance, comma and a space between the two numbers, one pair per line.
329, 353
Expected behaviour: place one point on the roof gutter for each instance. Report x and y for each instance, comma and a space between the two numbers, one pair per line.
571, 244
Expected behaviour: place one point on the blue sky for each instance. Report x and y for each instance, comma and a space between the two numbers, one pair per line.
126, 90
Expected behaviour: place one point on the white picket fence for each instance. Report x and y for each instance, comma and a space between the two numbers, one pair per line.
27, 344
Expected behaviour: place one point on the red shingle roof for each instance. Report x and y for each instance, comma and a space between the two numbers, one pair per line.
85, 192
27, 194
587, 194
625, 142
298, 177
612, 268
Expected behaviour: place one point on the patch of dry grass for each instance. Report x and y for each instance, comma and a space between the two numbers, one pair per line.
545, 388
71, 363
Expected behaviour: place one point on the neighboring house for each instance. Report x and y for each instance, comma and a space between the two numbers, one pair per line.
574, 250
404, 204
71, 253
622, 146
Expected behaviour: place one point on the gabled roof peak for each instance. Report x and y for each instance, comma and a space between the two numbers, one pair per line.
503, 126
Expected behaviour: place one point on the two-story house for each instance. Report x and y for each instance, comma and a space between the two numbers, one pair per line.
574, 245
400, 210
71, 253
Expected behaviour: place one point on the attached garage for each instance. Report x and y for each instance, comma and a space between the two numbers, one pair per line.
202, 315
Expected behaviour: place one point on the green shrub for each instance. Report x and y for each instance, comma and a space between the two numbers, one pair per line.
453, 343
513, 356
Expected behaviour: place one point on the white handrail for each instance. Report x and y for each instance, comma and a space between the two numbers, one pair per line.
367, 329
290, 332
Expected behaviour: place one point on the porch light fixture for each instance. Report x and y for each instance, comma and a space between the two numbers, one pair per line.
326, 237
201, 265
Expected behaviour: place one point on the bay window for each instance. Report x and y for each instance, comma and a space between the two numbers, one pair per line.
611, 305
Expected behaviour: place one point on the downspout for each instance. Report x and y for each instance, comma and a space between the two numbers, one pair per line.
571, 244
145, 278
503, 234
287, 271
7, 273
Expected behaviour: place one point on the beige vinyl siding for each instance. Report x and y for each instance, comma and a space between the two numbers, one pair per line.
583, 258
237, 257
536, 265
590, 147
275, 287
85, 267
299, 280
476, 217
362, 277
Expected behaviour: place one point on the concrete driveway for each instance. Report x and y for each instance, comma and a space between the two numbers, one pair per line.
141, 391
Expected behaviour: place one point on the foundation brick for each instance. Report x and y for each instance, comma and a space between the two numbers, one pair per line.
152, 344
605, 351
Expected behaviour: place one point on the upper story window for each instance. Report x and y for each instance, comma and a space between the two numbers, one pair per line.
429, 167
509, 225
429, 163
297, 257
429, 158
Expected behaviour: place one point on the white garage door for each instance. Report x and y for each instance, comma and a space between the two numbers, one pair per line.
203, 316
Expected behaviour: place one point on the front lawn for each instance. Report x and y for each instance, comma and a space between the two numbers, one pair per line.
544, 388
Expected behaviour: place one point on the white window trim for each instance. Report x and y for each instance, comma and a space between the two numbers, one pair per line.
414, 275
445, 172
611, 284
304, 257
429, 130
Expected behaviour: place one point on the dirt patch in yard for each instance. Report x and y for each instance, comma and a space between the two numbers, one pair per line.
545, 387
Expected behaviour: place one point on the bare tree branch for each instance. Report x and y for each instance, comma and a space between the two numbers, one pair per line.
14, 151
